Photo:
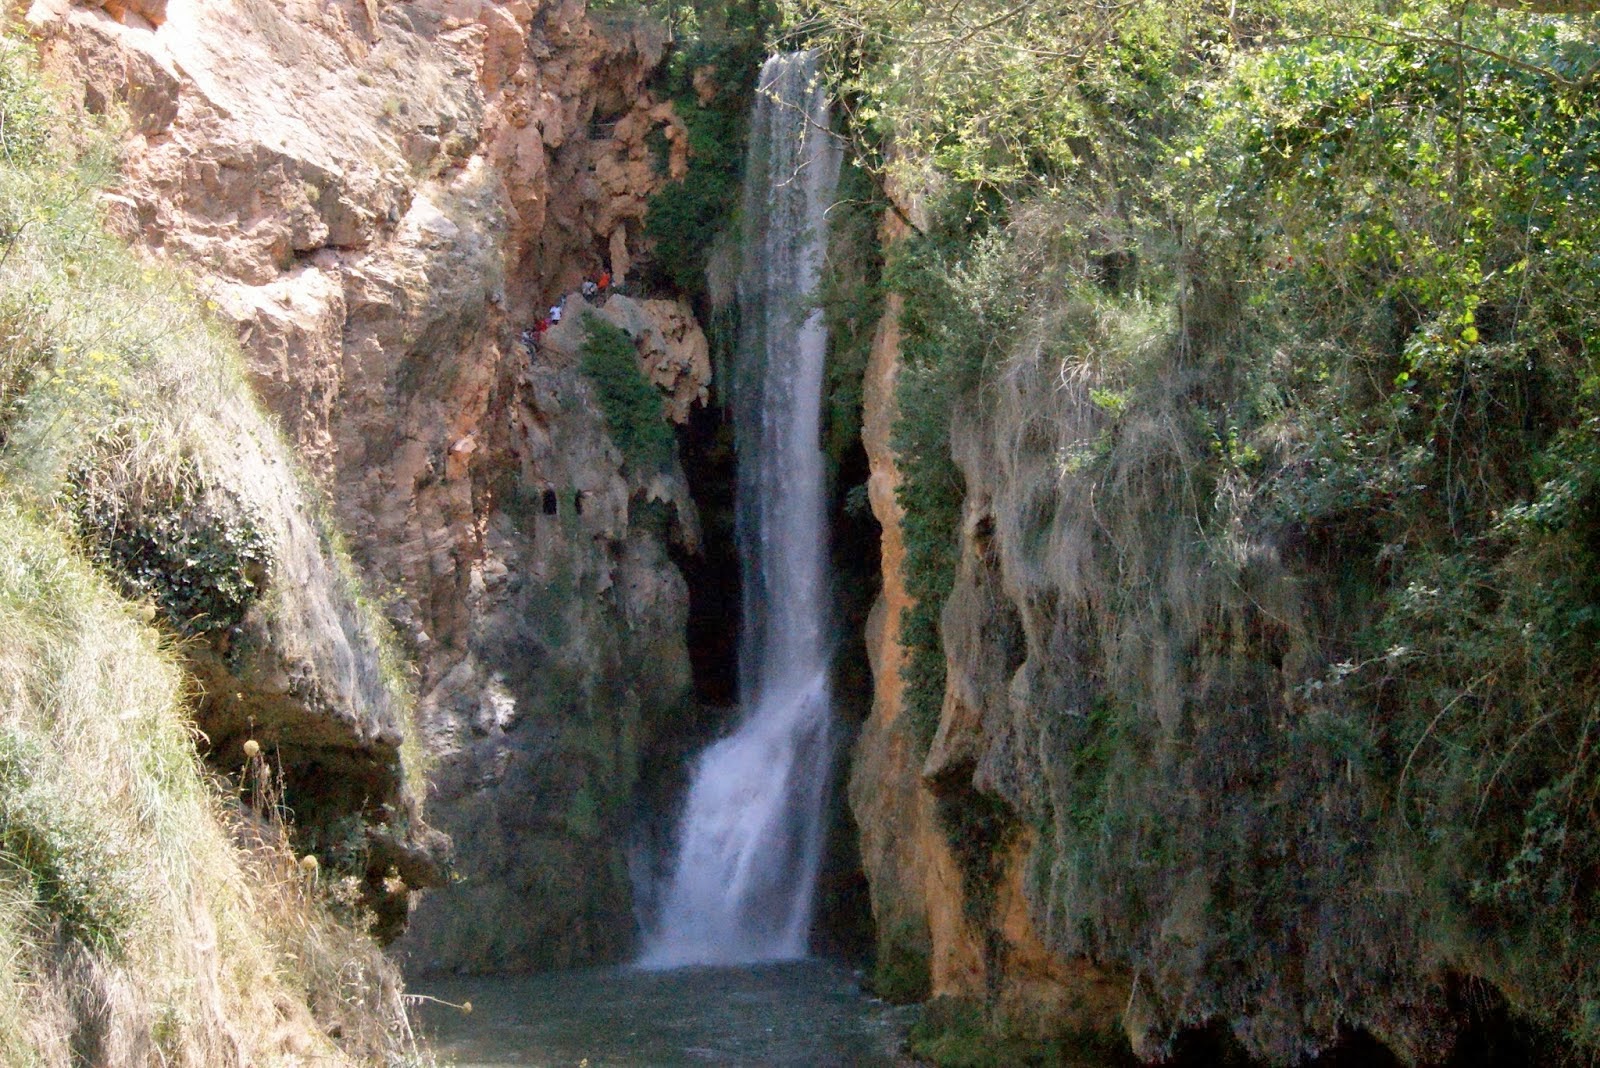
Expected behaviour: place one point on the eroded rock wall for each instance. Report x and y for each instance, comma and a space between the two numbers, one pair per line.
1140, 808
925, 944
939, 934
380, 197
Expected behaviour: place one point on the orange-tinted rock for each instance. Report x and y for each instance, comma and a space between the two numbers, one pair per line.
673, 353
1041, 994
915, 883
120, 62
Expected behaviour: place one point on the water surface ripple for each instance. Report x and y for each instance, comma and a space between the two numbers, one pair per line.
797, 1013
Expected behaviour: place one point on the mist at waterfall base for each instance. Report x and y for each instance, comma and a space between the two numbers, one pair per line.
750, 840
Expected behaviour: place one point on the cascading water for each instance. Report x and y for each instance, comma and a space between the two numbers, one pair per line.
750, 840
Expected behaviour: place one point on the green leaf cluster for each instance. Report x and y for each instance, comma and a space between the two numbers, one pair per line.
198, 555
630, 404
25, 109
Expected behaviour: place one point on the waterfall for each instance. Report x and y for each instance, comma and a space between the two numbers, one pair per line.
750, 838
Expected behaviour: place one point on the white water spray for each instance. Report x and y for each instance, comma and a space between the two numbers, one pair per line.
750, 840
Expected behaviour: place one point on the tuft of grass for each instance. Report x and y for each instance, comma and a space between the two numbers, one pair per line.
900, 972
84, 877
352, 989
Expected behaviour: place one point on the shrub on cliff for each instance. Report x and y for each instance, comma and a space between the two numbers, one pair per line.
197, 554
710, 78
852, 303
631, 405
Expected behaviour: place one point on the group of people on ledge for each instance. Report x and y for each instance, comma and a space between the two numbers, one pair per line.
593, 290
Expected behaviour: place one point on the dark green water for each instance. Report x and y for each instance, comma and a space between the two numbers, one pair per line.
801, 1014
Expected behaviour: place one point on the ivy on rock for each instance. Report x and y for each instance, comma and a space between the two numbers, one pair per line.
195, 551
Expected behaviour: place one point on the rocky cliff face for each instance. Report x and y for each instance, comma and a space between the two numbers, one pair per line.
379, 197
1148, 803
925, 944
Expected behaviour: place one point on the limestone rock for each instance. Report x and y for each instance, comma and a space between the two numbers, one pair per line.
919, 897
380, 197
673, 352
915, 883
123, 63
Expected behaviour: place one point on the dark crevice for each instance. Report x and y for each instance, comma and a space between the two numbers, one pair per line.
844, 926
706, 447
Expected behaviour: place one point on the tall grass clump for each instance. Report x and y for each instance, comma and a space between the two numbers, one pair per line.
147, 916
150, 923
133, 910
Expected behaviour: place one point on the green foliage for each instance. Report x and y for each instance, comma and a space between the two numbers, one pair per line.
956, 1033
1452, 433
955, 312
685, 217
631, 405
1102, 744
979, 828
1279, 323
901, 972
25, 109
31, 198
1005, 97
582, 816
199, 556
852, 304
